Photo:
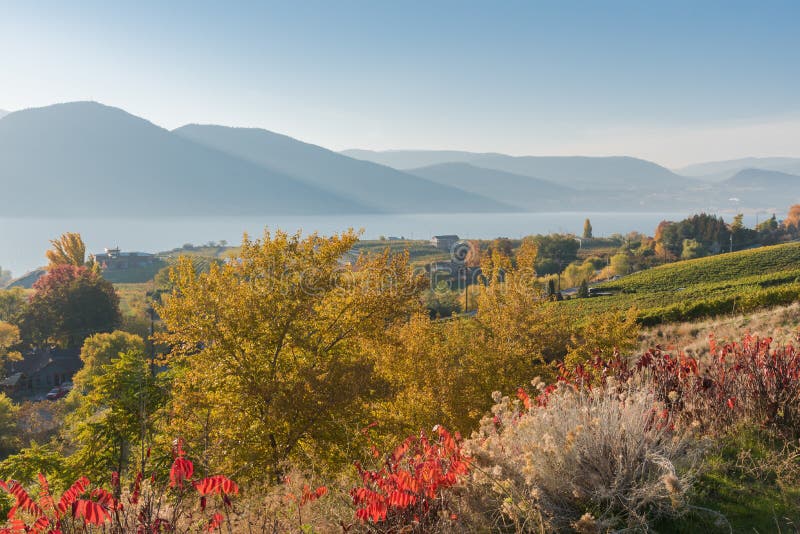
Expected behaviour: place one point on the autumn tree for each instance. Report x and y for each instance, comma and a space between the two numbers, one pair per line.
9, 337
502, 245
69, 249
12, 302
270, 351
98, 351
69, 304
444, 372
577, 273
792, 220
603, 334
527, 254
692, 249
620, 264
519, 322
438, 373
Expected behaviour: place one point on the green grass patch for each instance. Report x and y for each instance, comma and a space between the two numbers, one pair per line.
749, 484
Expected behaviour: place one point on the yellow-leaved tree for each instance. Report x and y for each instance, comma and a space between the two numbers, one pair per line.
9, 336
69, 249
438, 372
520, 323
271, 351
603, 334
444, 371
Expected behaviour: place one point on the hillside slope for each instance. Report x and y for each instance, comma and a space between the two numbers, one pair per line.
770, 187
412, 159
86, 158
705, 287
525, 191
763, 179
721, 170
376, 185
577, 172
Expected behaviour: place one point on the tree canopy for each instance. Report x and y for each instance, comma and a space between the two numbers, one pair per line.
69, 304
271, 350
69, 249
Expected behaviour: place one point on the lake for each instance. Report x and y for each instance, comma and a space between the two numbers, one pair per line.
23, 241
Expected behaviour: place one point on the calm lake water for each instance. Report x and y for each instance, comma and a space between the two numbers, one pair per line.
24, 241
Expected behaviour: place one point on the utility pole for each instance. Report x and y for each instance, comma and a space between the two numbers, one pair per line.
466, 291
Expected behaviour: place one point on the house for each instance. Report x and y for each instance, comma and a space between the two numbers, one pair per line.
444, 242
349, 258
114, 259
39, 371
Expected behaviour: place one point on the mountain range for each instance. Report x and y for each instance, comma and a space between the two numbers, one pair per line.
85, 158
722, 170
608, 183
369, 184
593, 173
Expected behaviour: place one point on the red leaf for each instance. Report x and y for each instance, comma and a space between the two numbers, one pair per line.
23, 500
182, 470
217, 484
215, 522
91, 512
72, 494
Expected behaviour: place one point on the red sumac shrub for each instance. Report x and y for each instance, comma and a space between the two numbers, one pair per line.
409, 489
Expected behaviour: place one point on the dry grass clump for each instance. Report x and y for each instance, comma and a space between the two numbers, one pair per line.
296, 505
586, 460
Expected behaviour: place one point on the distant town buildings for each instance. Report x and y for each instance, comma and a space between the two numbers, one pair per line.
444, 242
114, 259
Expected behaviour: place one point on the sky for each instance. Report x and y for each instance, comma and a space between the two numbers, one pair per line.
676, 82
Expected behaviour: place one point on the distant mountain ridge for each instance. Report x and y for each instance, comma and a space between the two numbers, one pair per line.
388, 189
762, 178
769, 187
3, 113
577, 172
721, 170
86, 158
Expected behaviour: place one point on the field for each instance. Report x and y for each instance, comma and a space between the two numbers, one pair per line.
134, 275
420, 252
705, 287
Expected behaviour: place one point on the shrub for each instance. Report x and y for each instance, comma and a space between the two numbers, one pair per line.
409, 490
747, 380
149, 504
583, 458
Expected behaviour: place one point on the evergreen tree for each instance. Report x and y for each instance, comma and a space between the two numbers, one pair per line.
587, 229
583, 290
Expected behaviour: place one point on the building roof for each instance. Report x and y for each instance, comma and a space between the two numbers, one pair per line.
36, 360
11, 381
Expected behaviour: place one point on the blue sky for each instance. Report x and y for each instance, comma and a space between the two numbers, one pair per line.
676, 82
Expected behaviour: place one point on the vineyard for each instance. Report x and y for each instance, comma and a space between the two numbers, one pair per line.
728, 283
